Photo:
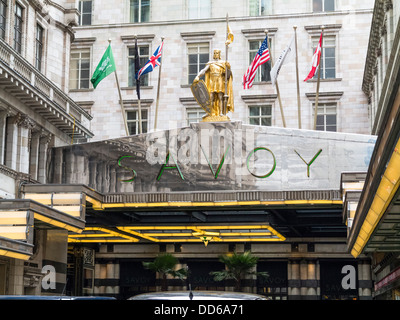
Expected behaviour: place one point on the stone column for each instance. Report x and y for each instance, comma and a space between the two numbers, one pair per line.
99, 177
293, 280
25, 125
16, 277
100, 276
303, 278
43, 147
3, 121
108, 278
110, 275
58, 166
79, 173
97, 275
364, 280
55, 254
12, 143
34, 155
312, 282
93, 173
69, 167
113, 180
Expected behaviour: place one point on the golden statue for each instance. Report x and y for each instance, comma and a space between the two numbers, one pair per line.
218, 100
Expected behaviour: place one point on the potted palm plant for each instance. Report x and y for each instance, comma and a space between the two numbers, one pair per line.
237, 267
165, 264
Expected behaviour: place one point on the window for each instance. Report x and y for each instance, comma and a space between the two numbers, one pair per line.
79, 75
18, 28
85, 8
260, 115
198, 56
199, 9
144, 57
328, 57
3, 16
132, 119
39, 47
260, 7
194, 115
263, 71
323, 5
326, 117
139, 10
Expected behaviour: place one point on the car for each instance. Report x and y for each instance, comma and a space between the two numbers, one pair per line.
197, 295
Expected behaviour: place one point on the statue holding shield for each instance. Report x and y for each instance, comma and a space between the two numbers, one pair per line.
215, 93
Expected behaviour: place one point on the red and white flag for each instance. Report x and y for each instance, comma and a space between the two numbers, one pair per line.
315, 60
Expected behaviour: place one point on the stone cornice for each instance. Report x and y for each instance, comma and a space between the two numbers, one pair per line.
8, 172
203, 35
373, 45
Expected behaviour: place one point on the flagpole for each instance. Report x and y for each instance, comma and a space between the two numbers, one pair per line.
276, 82
158, 89
297, 76
318, 81
120, 99
226, 69
137, 92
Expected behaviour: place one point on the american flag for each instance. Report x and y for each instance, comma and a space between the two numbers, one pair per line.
154, 61
261, 57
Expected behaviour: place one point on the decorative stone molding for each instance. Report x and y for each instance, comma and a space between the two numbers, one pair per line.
45, 136
22, 120
141, 38
379, 50
384, 28
8, 171
131, 104
203, 35
188, 101
32, 277
252, 34
329, 29
388, 5
259, 98
86, 41
325, 96
373, 45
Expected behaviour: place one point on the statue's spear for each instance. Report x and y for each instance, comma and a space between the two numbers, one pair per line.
229, 39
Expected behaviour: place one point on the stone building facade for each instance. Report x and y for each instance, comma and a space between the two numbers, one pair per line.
192, 29
381, 85
72, 193
36, 114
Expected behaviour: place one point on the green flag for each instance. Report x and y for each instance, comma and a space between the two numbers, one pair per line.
104, 68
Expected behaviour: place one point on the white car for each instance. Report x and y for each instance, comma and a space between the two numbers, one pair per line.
197, 295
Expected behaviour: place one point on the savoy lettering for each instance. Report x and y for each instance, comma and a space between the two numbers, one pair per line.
213, 149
